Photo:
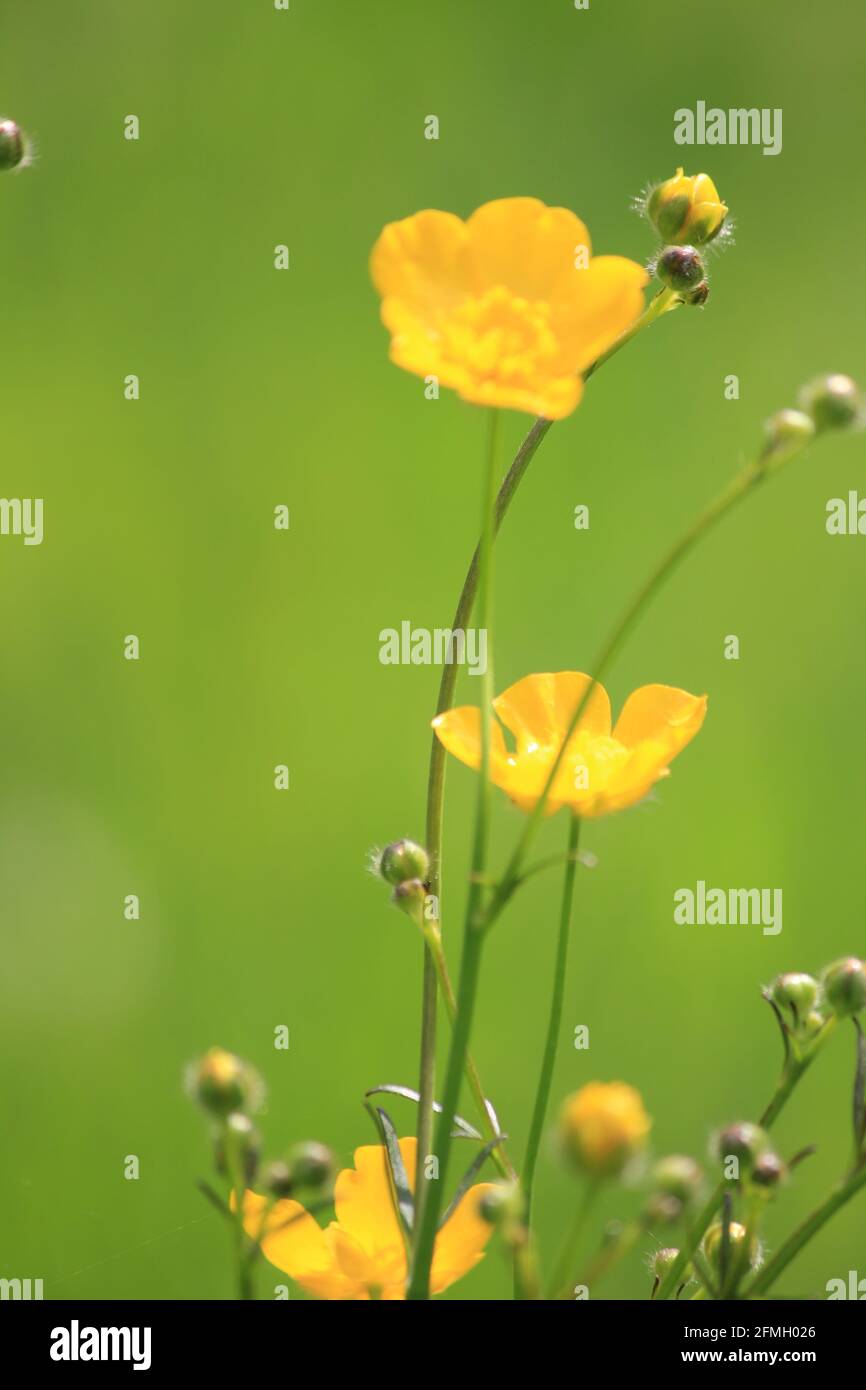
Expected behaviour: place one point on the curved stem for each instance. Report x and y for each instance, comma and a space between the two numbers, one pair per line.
662, 303
559, 1288
836, 1199
542, 1095
473, 935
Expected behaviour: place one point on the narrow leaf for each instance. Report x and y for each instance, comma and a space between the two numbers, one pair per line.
470, 1175
463, 1130
396, 1167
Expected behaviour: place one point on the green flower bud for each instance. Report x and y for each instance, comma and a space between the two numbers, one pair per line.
787, 432
12, 149
662, 1261
238, 1147
795, 991
222, 1083
769, 1172
411, 897
277, 1179
661, 1209
500, 1204
678, 1176
834, 402
737, 1235
845, 986
813, 1023
745, 1142
680, 268
685, 208
311, 1165
404, 860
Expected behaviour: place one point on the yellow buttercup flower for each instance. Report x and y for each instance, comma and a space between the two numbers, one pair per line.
602, 1126
509, 307
602, 770
362, 1255
686, 208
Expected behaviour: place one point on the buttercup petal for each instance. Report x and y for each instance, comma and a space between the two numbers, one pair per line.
295, 1243
460, 1244
363, 1201
539, 708
593, 306
459, 731
663, 715
419, 264
524, 245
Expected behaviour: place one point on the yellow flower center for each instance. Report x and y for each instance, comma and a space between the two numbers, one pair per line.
502, 335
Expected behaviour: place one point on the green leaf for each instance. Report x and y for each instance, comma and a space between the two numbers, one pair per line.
463, 1130
470, 1175
401, 1190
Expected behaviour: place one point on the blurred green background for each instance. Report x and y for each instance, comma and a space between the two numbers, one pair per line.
261, 647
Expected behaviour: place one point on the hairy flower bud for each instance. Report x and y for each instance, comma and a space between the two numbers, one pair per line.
311, 1165
678, 1176
795, 991
834, 402
222, 1083
745, 1142
411, 897
686, 208
680, 268
769, 1172
737, 1236
845, 986
12, 148
662, 1261
404, 860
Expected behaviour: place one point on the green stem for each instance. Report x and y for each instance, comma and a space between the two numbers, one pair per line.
499, 1154
559, 1287
542, 1095
835, 1200
662, 303
794, 1069
473, 934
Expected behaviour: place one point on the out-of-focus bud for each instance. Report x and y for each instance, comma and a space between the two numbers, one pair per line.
411, 897
680, 268
238, 1147
661, 1209
745, 1142
679, 1176
845, 986
501, 1204
12, 148
277, 1179
786, 433
404, 860
812, 1024
769, 1172
311, 1165
602, 1126
795, 991
737, 1236
686, 208
222, 1083
662, 1261
834, 402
